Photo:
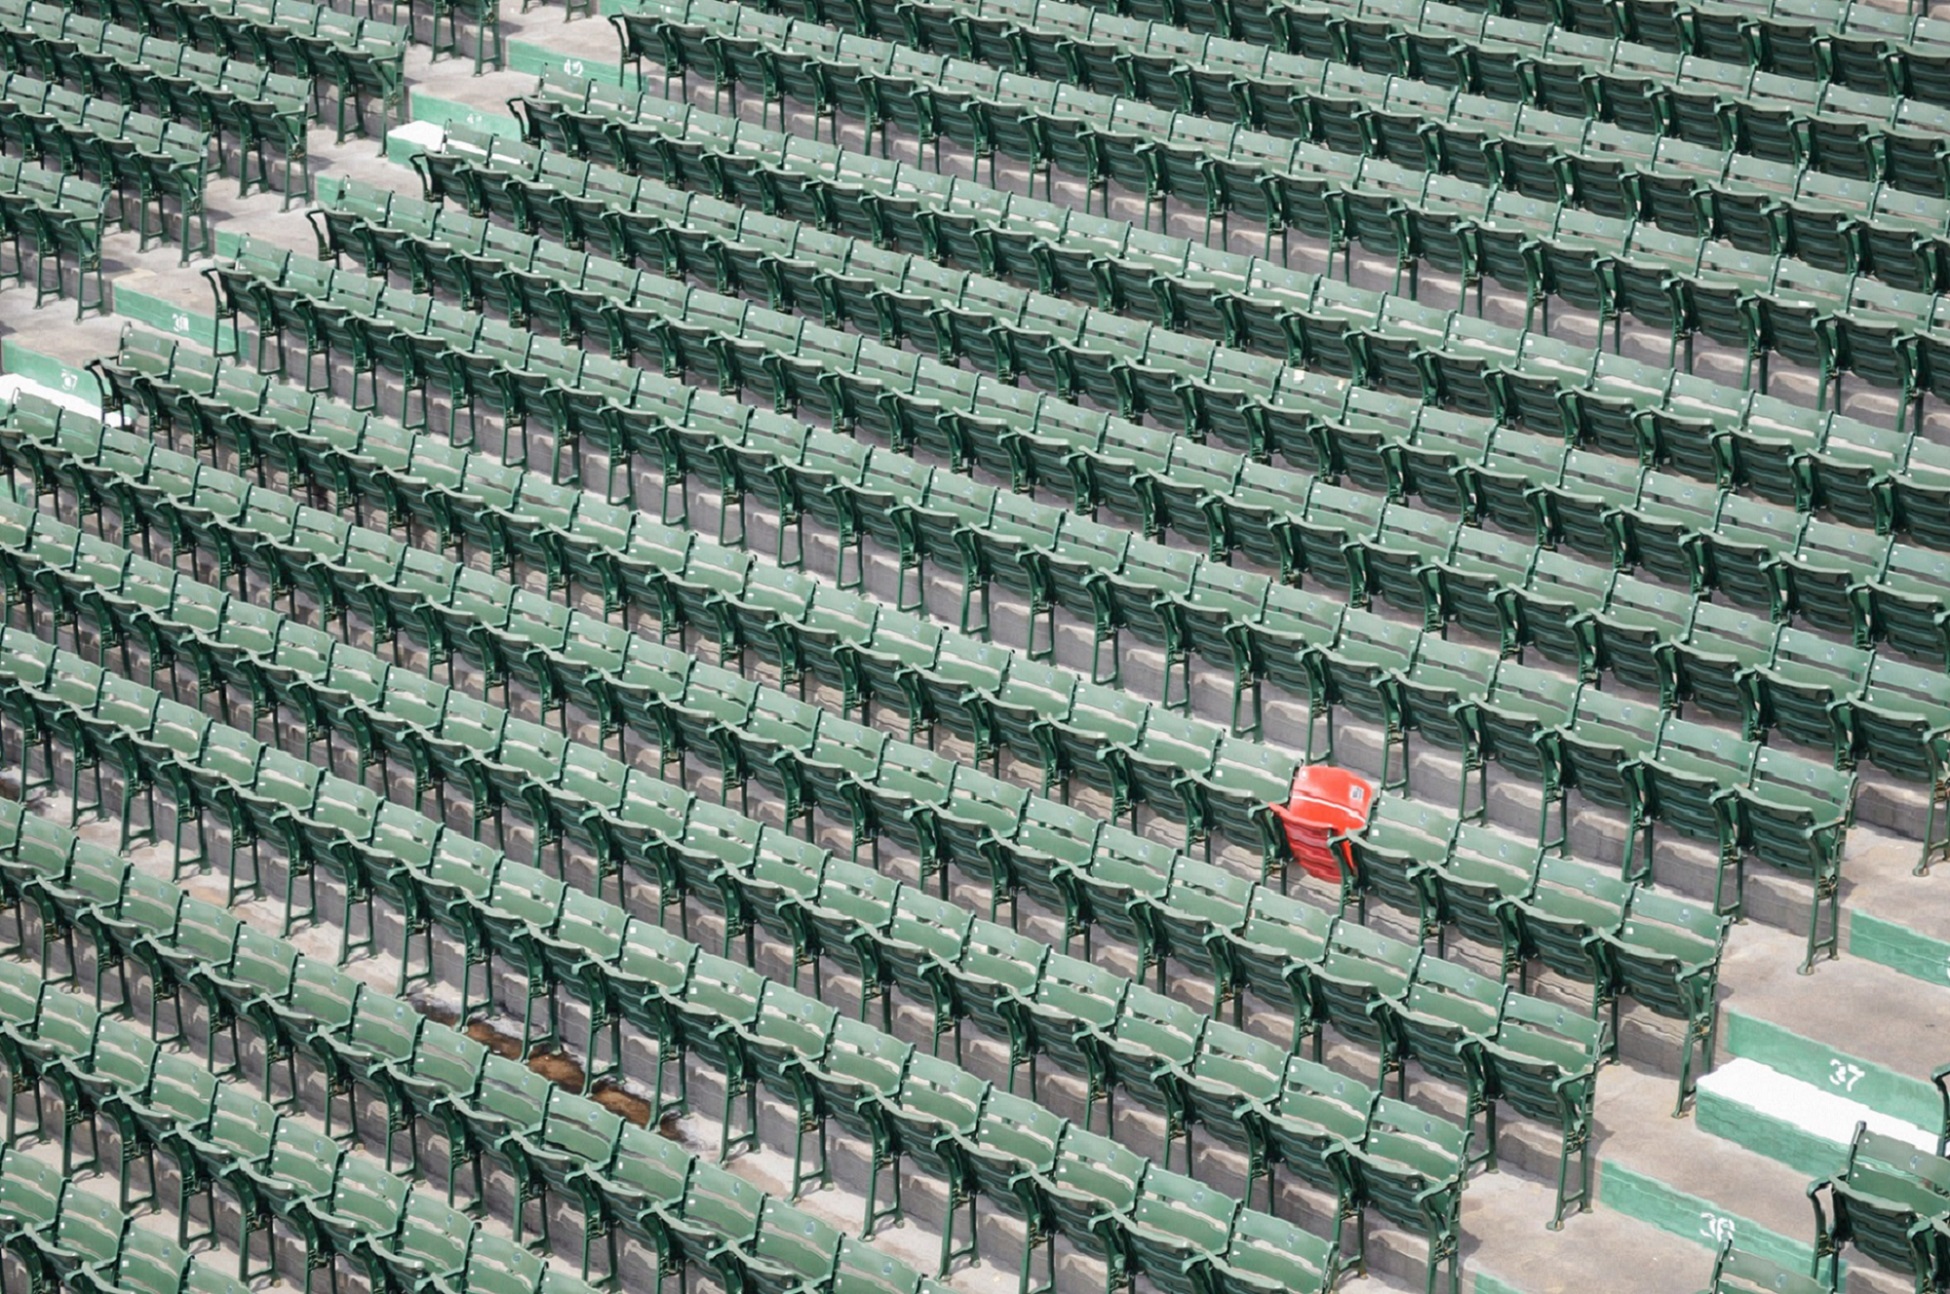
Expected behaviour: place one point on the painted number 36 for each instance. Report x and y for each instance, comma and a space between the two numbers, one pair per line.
1716, 1228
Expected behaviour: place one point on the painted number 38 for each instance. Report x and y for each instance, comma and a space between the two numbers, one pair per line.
1715, 1227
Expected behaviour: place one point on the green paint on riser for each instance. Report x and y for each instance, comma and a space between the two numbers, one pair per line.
539, 60
445, 112
1900, 948
154, 312
1671, 1209
1765, 1134
1908, 1097
36, 367
1488, 1284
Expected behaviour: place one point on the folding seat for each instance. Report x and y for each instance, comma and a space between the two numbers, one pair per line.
1410, 1168
1605, 749
1320, 1118
1907, 153
1361, 982
785, 1043
1565, 918
1024, 709
1177, 1229
1884, 1201
717, 1222
862, 1269
1795, 815
1744, 553
792, 1251
1906, 602
720, 1004
1482, 579
1737, 1271
1828, 575
1634, 631
1090, 1192
1360, 669
1666, 528
1590, 503
1359, 437
993, 980
1807, 687
1073, 1010
939, 678
1147, 1052
1666, 956
1694, 779
1543, 1063
1049, 855
1230, 1087
1257, 517
296, 1179
1402, 561
1512, 482
1330, 537
1449, 1021
1192, 917
981, 813
935, 1120
1396, 857
845, 918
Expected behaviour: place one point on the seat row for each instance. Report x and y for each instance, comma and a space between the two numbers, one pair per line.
1891, 1201
1059, 1177
1675, 528
1541, 48
267, 111
1625, 622
62, 217
360, 58
1760, 304
1167, 907
1410, 867
344, 1203
71, 1238
484, 15
1574, 614
1179, 890
1073, 729
1790, 207
341, 1205
1410, 875
1619, 936
141, 156
1705, 429
1795, 787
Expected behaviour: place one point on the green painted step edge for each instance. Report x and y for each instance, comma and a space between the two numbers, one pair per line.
171, 319
1899, 948
1765, 1134
445, 112
1488, 1284
1687, 1216
540, 60
49, 372
1909, 1097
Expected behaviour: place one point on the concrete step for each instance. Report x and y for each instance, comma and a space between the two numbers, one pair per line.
1677, 1176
